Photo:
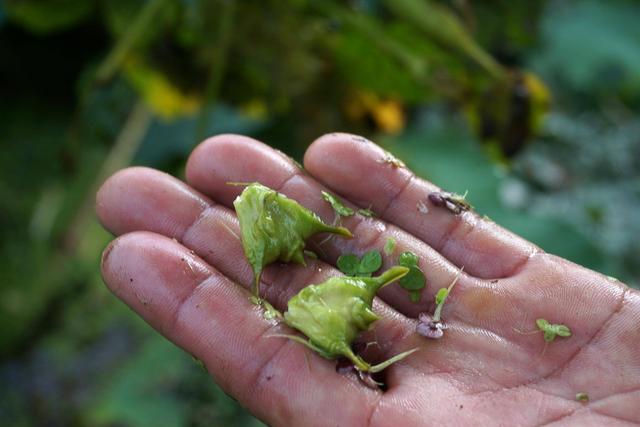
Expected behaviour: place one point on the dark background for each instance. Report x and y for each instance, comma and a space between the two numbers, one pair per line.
531, 106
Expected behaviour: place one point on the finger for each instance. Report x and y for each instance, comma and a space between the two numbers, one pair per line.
485, 250
221, 159
200, 310
212, 232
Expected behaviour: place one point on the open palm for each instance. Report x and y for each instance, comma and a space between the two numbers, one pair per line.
179, 263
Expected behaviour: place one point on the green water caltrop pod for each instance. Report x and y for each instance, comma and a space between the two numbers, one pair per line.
274, 228
332, 315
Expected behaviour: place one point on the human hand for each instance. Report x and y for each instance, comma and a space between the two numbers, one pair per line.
179, 263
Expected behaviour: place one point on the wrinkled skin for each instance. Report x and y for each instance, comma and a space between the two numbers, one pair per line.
195, 289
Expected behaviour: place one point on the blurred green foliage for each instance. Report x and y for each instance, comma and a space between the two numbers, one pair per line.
454, 87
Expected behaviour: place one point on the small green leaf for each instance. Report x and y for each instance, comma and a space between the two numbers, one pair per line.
349, 264
552, 330
542, 324
337, 205
389, 246
408, 259
442, 295
370, 262
366, 212
562, 330
414, 280
549, 335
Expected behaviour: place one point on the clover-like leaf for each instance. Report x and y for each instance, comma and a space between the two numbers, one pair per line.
562, 330
551, 330
370, 262
408, 259
414, 280
542, 324
352, 265
549, 335
349, 264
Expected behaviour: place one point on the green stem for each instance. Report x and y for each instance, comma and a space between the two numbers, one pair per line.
440, 24
416, 66
80, 238
381, 366
128, 40
389, 276
359, 363
392, 274
122, 151
218, 65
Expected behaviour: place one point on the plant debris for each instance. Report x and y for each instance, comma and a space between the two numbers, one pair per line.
274, 228
366, 212
453, 202
582, 397
429, 328
389, 246
552, 330
339, 208
392, 160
